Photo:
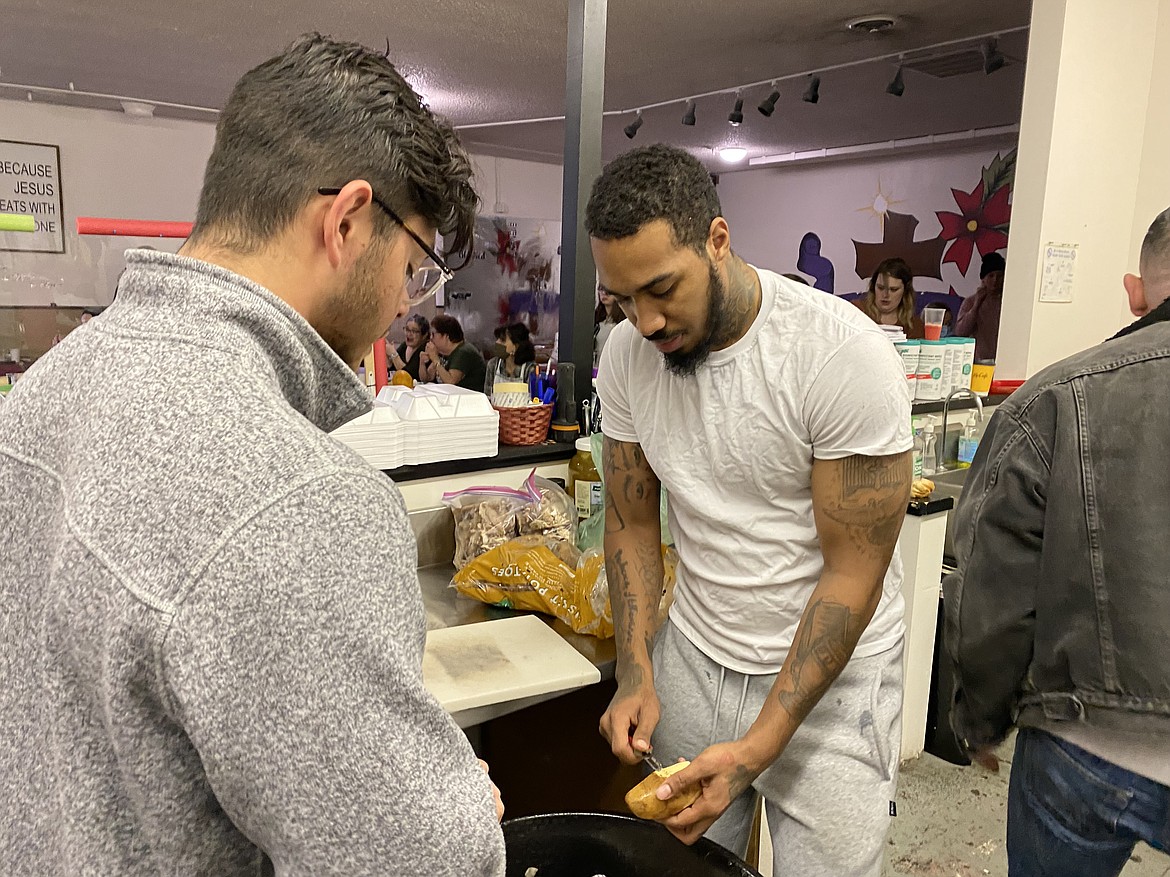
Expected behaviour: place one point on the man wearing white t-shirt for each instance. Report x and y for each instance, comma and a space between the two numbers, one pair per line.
778, 419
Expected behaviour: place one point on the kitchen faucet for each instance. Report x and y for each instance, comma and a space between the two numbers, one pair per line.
961, 393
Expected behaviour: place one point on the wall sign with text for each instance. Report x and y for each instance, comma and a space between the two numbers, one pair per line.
30, 184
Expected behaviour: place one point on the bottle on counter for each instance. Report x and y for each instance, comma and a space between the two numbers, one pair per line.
968, 442
919, 447
585, 480
930, 461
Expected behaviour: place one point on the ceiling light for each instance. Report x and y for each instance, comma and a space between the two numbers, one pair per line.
768, 105
992, 58
689, 116
896, 87
632, 128
813, 93
872, 24
735, 117
732, 154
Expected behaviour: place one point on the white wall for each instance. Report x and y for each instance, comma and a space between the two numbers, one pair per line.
1093, 145
116, 166
769, 210
111, 165
1153, 193
528, 189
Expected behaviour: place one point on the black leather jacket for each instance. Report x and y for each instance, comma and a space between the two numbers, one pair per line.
1060, 608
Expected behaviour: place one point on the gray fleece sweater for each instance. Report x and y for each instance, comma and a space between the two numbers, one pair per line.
211, 631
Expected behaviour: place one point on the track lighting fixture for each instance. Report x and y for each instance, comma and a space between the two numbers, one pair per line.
735, 117
632, 128
896, 87
993, 59
768, 105
812, 94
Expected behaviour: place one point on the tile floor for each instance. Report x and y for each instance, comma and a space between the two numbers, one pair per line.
951, 823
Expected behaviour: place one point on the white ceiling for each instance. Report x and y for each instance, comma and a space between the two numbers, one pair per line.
479, 61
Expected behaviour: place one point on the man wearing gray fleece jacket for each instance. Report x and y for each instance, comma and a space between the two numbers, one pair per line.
211, 631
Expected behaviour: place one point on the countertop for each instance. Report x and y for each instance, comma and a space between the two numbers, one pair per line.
508, 456
446, 607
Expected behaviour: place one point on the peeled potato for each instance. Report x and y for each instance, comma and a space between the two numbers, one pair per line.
644, 804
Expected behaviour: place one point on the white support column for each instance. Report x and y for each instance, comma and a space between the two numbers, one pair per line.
1091, 170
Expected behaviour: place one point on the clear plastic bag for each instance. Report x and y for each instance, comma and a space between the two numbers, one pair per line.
488, 516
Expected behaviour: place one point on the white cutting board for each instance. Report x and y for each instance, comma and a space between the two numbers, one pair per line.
492, 662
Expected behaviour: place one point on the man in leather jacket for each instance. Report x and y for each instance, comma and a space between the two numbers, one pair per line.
1056, 619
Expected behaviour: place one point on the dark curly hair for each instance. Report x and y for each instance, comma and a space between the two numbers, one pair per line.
445, 324
649, 183
323, 113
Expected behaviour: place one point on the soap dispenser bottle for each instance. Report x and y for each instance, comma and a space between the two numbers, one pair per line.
968, 443
930, 460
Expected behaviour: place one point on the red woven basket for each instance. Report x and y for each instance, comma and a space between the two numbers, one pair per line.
527, 425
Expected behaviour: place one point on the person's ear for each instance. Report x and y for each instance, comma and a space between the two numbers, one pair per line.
1135, 291
718, 240
347, 224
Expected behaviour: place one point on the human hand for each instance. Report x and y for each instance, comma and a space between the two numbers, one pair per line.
631, 718
722, 773
431, 351
495, 792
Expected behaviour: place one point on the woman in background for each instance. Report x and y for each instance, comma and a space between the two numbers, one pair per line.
518, 361
605, 317
406, 356
890, 298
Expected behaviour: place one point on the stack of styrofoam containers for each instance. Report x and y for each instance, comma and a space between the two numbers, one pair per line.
443, 422
379, 436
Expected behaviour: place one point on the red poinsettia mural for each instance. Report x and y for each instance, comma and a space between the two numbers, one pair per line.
981, 224
984, 214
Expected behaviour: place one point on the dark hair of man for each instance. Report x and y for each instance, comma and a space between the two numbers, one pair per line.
1155, 257
445, 324
650, 183
324, 113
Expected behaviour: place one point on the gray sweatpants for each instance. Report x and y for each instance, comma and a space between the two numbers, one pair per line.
828, 795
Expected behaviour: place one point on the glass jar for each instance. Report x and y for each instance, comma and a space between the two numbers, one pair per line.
585, 480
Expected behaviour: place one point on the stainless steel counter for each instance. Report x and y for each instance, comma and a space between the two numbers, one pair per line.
446, 607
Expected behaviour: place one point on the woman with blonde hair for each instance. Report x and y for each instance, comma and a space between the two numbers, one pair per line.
890, 298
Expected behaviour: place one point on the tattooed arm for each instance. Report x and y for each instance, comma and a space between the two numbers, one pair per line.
633, 566
859, 504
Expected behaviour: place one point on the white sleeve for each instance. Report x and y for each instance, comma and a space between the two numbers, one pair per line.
613, 386
859, 403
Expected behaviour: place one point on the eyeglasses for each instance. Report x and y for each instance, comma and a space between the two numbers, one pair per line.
430, 276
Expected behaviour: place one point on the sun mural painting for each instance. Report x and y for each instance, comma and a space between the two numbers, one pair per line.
981, 225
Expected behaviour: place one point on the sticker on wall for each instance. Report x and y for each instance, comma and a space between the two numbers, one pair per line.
30, 185
1058, 271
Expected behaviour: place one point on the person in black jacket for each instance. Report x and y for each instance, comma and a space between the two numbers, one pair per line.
1056, 618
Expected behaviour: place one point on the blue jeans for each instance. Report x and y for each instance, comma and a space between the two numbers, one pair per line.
1071, 814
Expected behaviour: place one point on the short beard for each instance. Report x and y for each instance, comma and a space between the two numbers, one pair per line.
686, 363
348, 321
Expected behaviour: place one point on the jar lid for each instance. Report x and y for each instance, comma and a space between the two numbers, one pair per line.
585, 444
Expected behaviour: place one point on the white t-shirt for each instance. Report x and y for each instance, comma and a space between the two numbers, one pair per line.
734, 445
